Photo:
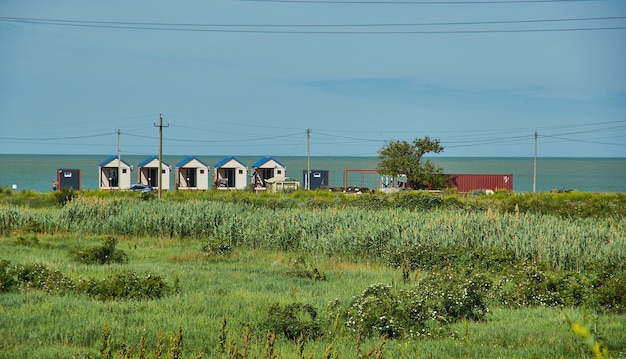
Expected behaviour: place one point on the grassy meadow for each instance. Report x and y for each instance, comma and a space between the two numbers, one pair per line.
332, 276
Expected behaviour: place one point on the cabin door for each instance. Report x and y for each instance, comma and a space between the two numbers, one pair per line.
153, 179
113, 177
190, 176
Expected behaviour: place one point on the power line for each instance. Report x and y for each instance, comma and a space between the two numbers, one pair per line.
55, 138
583, 140
443, 2
122, 23
246, 28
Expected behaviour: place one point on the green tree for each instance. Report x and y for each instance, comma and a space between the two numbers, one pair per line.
404, 158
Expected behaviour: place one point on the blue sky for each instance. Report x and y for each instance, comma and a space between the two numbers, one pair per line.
236, 77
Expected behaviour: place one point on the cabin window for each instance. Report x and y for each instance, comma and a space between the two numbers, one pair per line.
317, 175
201, 172
240, 172
279, 171
123, 170
67, 174
162, 171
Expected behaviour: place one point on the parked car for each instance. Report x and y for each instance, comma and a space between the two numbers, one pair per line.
138, 187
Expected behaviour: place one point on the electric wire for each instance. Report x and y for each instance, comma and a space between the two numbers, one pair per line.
417, 2
263, 28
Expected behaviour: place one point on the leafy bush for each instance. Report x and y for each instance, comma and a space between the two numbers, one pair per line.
104, 254
436, 301
609, 289
529, 284
456, 295
217, 247
433, 256
6, 278
65, 195
38, 276
303, 270
293, 320
125, 285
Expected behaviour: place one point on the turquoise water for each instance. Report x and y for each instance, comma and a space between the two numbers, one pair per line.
36, 172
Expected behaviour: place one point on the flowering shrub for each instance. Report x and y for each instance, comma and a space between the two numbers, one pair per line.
439, 299
38, 276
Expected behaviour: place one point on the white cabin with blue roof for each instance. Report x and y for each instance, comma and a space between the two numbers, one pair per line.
149, 174
264, 169
231, 174
114, 173
192, 174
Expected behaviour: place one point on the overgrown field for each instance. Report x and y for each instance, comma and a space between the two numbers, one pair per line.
331, 276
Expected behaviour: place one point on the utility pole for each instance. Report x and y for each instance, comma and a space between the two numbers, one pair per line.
119, 160
535, 165
308, 159
160, 126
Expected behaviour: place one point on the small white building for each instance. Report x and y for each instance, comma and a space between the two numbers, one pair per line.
264, 169
231, 174
114, 174
149, 174
192, 174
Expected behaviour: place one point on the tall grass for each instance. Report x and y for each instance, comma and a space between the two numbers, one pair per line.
241, 287
350, 233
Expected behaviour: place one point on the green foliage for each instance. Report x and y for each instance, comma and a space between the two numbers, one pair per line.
292, 321
217, 247
107, 342
38, 276
403, 158
426, 309
348, 232
569, 205
124, 285
30, 241
104, 254
301, 269
431, 256
455, 294
65, 195
7, 281
583, 329
527, 284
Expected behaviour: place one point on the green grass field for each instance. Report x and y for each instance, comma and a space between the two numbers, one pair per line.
233, 259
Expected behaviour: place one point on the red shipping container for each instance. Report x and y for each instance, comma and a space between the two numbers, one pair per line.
472, 182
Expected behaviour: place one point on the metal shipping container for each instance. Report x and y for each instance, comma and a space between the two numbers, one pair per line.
471, 182
68, 178
319, 178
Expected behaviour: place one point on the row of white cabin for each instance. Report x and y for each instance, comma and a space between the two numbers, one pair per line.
193, 174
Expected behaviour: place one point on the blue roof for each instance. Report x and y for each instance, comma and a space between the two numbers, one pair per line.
189, 159
225, 160
147, 160
260, 162
111, 158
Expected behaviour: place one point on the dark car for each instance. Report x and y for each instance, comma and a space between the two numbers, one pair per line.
140, 188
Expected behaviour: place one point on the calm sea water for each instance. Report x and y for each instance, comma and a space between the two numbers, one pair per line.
36, 172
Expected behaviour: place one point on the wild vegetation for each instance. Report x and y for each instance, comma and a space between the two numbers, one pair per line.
316, 275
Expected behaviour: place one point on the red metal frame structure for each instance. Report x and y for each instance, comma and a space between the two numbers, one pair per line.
346, 183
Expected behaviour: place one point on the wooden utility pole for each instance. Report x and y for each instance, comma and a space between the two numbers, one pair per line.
535, 165
160, 177
308, 158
